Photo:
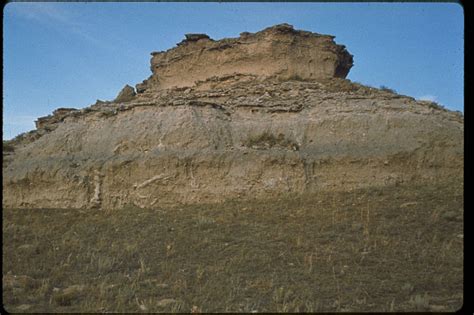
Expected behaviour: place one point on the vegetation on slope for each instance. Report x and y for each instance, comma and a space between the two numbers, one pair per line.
398, 248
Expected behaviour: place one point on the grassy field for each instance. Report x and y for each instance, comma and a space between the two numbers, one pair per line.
396, 248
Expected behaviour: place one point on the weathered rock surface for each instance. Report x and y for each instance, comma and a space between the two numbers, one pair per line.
212, 134
126, 94
279, 51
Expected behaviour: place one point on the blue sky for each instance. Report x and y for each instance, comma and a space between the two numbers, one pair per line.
71, 54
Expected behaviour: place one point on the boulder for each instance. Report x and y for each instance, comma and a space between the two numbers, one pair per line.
126, 94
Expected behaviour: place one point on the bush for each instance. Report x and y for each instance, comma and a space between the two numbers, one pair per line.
295, 77
269, 140
387, 89
8, 146
436, 106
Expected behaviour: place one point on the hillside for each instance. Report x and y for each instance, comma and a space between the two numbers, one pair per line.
244, 175
254, 116
396, 248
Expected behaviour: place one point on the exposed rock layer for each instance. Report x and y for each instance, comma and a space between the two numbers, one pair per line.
235, 136
277, 51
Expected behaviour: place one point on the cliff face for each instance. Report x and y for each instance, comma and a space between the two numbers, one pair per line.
278, 51
248, 122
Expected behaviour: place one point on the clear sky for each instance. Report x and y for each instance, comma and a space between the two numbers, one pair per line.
71, 54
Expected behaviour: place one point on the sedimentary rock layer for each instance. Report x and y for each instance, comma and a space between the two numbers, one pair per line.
230, 136
279, 51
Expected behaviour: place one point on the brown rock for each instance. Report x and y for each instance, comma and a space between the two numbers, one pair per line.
277, 51
195, 37
126, 94
63, 111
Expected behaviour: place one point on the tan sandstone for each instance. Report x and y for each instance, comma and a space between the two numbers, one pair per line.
236, 118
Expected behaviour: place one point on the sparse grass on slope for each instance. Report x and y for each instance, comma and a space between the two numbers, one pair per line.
391, 249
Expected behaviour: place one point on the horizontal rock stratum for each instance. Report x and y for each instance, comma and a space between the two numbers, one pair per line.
278, 51
250, 117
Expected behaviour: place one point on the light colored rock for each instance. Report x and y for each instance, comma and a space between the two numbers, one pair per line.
278, 51
222, 139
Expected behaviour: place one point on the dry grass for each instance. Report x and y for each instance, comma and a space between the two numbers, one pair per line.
391, 249
268, 140
8, 146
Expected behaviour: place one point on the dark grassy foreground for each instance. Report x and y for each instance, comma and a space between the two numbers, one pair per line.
391, 249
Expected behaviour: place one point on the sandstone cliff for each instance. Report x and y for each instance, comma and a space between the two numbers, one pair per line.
251, 117
278, 51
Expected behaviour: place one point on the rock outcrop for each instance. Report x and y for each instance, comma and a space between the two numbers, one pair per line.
278, 51
253, 117
126, 94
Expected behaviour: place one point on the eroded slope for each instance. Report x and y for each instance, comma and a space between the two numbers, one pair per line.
233, 137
